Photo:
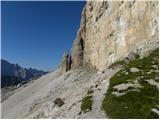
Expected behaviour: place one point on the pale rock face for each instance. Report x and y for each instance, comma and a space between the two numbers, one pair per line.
77, 52
64, 64
110, 30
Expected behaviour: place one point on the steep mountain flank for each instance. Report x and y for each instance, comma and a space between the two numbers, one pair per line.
126, 87
111, 30
112, 71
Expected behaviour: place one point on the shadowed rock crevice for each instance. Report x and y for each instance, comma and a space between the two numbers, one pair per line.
78, 52
66, 63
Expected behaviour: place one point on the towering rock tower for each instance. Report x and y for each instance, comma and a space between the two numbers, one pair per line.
65, 63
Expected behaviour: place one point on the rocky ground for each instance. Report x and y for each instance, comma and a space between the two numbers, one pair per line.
37, 99
6, 92
109, 32
81, 93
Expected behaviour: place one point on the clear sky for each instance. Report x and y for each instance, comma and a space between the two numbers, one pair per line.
36, 34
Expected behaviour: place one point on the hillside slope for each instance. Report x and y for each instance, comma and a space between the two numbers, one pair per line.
12, 107
83, 91
112, 71
37, 99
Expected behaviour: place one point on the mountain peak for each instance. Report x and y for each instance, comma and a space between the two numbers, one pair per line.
14, 70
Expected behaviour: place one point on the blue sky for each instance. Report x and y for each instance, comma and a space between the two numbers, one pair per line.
36, 34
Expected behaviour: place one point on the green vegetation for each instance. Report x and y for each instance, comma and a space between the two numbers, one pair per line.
86, 104
134, 104
123, 62
87, 101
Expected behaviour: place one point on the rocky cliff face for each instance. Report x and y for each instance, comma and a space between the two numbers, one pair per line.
66, 63
110, 30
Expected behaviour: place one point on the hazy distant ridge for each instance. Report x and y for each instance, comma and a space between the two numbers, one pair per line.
9, 70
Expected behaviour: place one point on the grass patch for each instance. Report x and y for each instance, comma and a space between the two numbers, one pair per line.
86, 104
134, 104
121, 77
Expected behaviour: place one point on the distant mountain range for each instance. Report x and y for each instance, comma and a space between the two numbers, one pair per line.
13, 74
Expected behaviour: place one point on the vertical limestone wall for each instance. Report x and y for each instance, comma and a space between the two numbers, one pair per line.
110, 30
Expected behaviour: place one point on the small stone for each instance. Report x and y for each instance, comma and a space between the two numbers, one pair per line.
56, 109
155, 111
134, 70
87, 110
126, 73
125, 107
152, 62
131, 55
19, 85
118, 94
154, 66
59, 102
100, 72
149, 72
96, 85
104, 81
